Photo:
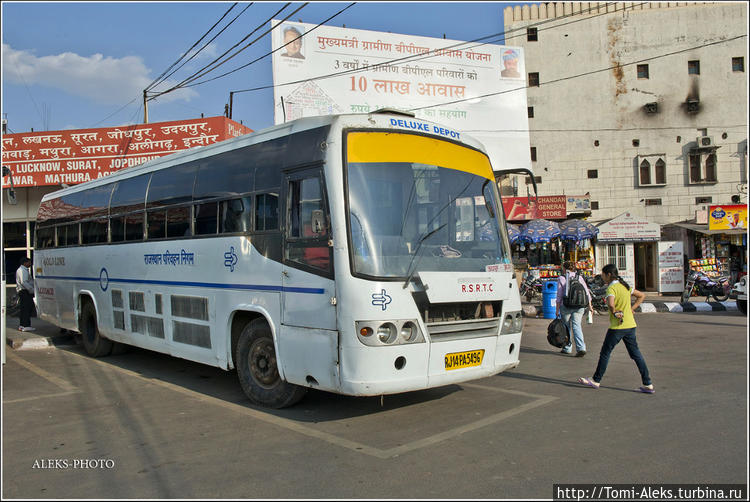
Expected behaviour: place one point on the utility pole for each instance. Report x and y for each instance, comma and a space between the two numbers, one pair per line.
145, 107
231, 97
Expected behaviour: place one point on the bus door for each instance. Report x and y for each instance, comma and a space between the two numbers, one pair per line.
307, 270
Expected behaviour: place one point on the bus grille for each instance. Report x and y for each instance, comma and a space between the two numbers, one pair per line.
456, 330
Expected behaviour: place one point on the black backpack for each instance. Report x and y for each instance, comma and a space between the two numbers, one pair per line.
576, 297
557, 333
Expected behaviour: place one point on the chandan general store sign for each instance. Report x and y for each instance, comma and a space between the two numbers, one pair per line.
78, 155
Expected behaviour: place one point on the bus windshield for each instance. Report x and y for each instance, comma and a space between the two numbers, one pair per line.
421, 204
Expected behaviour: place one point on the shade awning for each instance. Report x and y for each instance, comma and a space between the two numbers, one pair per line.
704, 229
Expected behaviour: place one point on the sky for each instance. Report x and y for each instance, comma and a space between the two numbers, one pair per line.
85, 65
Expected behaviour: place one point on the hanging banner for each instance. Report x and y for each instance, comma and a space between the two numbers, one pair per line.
368, 70
671, 264
727, 217
77, 155
550, 207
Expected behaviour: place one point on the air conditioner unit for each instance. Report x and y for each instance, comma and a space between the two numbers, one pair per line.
705, 141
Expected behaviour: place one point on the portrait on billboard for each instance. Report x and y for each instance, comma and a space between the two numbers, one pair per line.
510, 64
292, 41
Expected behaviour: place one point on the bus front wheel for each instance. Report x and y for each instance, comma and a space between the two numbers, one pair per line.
94, 343
257, 369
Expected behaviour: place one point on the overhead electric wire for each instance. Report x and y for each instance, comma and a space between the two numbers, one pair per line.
218, 61
113, 113
275, 50
159, 78
204, 46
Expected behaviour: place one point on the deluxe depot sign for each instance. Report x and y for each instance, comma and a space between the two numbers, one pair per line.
472, 87
79, 155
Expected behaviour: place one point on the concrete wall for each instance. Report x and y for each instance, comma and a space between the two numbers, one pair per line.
576, 105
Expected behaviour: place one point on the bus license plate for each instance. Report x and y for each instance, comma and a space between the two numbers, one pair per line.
466, 359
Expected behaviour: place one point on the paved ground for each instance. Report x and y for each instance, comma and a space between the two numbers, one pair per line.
161, 427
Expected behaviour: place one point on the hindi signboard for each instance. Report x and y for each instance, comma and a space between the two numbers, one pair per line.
473, 87
78, 155
628, 228
671, 264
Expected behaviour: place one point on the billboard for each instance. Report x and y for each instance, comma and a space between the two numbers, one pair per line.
444, 81
78, 155
727, 217
550, 207
628, 227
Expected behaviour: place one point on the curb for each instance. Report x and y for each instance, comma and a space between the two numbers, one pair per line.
530, 310
23, 341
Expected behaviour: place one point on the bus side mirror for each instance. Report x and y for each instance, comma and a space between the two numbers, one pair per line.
317, 221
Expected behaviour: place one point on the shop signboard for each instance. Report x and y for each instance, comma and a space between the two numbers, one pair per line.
671, 267
727, 217
465, 86
77, 155
628, 227
550, 207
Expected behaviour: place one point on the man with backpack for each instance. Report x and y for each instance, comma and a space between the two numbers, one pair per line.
573, 296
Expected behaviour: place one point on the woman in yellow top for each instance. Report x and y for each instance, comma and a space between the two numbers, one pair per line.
621, 327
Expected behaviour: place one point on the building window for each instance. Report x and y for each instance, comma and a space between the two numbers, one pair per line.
652, 170
533, 154
531, 112
694, 67
531, 35
738, 64
652, 107
616, 255
703, 200
636, 142
534, 79
702, 166
594, 205
593, 174
653, 202
537, 179
642, 71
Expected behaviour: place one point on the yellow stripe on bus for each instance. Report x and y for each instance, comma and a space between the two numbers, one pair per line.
397, 147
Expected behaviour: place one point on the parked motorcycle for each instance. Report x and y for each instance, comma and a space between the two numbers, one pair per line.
704, 285
531, 288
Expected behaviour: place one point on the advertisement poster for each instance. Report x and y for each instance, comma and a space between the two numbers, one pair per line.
476, 88
77, 155
727, 217
671, 264
551, 207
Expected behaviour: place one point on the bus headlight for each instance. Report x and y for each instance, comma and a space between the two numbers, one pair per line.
389, 332
512, 322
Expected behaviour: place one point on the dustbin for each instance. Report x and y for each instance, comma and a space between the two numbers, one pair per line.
549, 298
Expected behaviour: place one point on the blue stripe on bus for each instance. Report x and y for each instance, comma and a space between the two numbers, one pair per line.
255, 287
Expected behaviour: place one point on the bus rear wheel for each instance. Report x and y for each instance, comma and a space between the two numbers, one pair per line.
94, 343
257, 369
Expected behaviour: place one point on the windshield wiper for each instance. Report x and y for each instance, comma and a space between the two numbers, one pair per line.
416, 253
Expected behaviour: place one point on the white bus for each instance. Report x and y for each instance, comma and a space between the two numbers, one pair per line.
358, 254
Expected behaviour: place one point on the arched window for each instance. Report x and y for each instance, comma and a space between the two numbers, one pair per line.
711, 167
660, 172
645, 173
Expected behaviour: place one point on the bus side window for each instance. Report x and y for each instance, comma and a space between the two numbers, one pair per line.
308, 227
235, 215
156, 220
206, 218
266, 212
178, 221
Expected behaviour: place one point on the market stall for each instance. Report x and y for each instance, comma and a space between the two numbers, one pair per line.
577, 240
539, 241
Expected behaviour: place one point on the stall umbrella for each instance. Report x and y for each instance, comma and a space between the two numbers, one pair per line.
513, 233
577, 230
538, 231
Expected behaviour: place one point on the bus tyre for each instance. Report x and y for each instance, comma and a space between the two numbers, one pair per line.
257, 370
94, 343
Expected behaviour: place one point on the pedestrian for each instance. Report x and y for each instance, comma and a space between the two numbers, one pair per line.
572, 313
621, 327
25, 291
